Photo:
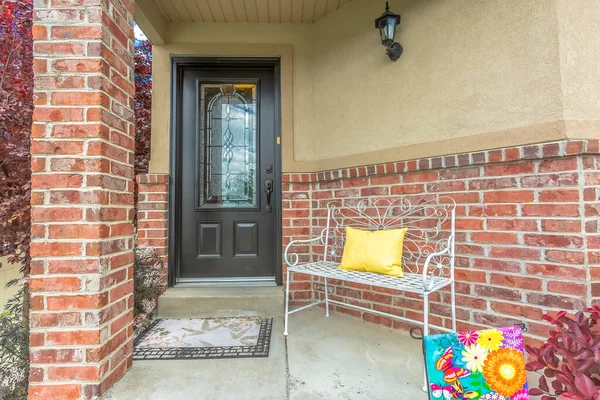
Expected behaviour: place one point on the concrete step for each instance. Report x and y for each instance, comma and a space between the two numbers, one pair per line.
203, 302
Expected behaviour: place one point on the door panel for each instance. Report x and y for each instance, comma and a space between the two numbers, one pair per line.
227, 169
245, 239
208, 239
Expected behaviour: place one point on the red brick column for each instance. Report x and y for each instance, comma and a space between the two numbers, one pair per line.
527, 242
82, 198
153, 204
591, 212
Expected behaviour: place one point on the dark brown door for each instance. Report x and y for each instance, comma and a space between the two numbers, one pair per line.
228, 175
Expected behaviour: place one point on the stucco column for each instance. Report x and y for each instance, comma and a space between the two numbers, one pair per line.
82, 197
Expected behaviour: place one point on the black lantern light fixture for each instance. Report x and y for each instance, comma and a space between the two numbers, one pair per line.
387, 29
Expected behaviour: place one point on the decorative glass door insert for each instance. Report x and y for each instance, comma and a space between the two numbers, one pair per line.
227, 161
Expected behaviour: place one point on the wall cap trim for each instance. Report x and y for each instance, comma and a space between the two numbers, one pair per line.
562, 148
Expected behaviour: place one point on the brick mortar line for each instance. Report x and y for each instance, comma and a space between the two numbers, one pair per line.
395, 295
81, 258
79, 156
83, 189
86, 205
49, 104
80, 328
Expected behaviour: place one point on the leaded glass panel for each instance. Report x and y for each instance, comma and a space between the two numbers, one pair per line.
227, 146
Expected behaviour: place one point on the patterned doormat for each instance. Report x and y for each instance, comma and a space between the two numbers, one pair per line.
204, 338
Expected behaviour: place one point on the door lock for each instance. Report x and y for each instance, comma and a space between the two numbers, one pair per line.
269, 191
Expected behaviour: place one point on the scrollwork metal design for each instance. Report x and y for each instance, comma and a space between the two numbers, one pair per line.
292, 259
429, 223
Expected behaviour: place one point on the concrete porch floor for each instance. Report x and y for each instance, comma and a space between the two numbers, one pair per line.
323, 358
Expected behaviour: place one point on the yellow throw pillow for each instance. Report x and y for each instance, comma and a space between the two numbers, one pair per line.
374, 251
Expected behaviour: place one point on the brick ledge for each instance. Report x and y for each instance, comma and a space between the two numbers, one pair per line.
563, 148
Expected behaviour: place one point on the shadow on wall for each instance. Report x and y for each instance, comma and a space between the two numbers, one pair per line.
8, 272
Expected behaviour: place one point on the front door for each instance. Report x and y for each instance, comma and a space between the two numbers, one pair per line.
228, 169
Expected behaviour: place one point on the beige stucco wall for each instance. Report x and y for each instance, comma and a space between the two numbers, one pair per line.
579, 40
475, 74
8, 272
469, 67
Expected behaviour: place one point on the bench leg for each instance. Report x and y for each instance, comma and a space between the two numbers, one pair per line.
425, 333
453, 300
287, 302
326, 299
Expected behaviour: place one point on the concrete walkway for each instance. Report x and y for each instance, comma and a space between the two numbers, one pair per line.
323, 358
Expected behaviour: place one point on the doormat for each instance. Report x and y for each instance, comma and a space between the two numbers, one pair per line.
204, 338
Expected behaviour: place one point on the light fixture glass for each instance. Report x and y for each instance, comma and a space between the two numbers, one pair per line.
386, 24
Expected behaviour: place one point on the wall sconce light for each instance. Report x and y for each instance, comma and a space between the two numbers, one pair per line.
387, 29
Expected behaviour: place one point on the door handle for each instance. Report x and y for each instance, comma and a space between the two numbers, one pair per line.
268, 191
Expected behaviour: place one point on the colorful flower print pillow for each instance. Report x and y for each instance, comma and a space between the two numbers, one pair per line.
487, 365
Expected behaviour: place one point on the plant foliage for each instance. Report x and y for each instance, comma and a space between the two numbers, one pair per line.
570, 358
16, 111
143, 104
14, 349
148, 283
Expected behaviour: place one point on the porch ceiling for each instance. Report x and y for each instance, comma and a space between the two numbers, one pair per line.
235, 11
232, 11
153, 16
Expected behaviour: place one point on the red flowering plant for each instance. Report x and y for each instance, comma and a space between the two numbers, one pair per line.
570, 358
143, 110
142, 103
16, 110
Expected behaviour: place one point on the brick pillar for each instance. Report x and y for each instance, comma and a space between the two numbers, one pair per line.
153, 204
591, 213
82, 198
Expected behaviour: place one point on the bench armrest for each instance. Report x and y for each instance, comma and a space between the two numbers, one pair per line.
438, 269
291, 259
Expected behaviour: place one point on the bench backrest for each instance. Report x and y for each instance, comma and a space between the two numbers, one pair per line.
430, 223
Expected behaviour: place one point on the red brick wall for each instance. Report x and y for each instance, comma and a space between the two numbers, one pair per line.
82, 198
591, 213
152, 224
527, 231
296, 222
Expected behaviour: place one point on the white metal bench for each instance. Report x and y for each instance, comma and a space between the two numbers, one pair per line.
428, 256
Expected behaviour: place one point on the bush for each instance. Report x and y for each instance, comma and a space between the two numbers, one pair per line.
142, 104
14, 348
148, 272
16, 110
570, 358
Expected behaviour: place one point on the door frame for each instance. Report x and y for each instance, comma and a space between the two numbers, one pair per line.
178, 63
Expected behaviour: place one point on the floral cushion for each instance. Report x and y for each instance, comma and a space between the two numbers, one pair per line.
487, 365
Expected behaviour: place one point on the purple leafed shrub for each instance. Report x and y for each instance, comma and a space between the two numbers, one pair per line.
16, 109
570, 358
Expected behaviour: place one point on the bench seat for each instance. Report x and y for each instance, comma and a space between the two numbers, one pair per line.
409, 283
